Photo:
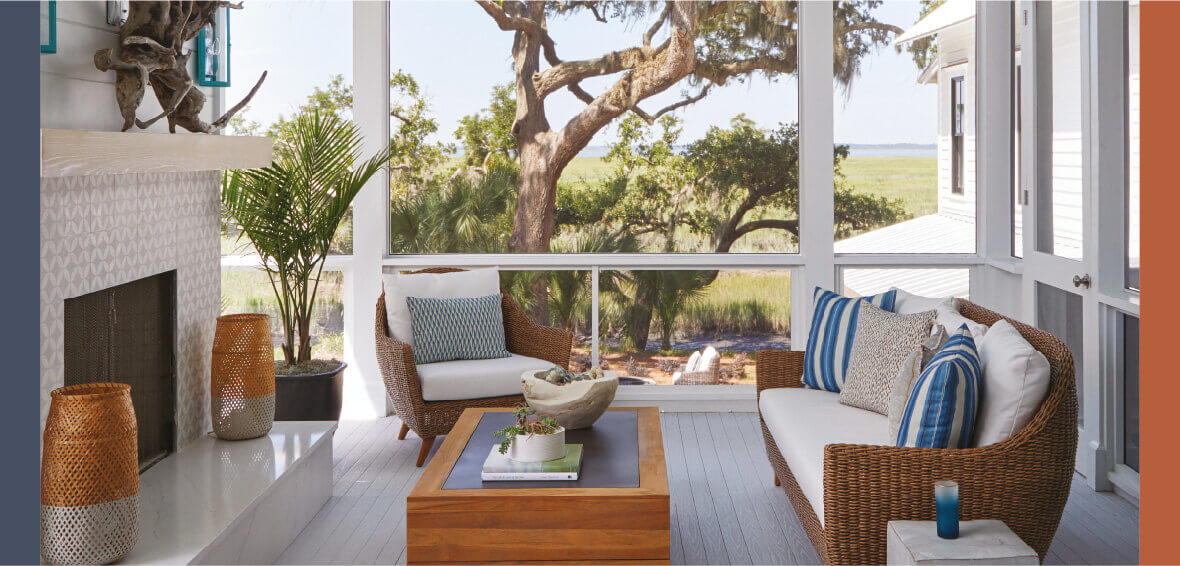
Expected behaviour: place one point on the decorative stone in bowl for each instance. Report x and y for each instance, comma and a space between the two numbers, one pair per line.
575, 404
537, 447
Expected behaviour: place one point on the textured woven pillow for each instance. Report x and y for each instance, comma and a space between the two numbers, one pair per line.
470, 328
881, 345
829, 342
915, 361
940, 411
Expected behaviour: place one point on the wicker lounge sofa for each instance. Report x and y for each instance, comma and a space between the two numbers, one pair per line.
1023, 481
429, 419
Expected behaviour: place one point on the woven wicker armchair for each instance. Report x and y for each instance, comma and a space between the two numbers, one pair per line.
709, 375
429, 419
1023, 481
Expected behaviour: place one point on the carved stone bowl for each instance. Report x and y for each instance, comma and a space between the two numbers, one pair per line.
574, 405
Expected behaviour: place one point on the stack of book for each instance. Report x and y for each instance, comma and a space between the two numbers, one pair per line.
499, 467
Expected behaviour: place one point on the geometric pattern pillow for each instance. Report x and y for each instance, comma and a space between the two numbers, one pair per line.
829, 342
882, 343
942, 404
457, 329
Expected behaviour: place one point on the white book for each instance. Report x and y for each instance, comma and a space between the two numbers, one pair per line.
499, 467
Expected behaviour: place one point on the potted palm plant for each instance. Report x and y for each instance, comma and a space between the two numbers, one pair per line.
290, 212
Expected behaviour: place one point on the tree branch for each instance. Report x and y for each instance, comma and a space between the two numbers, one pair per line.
581, 94
872, 26
681, 104
659, 23
791, 226
506, 21
561, 74
593, 6
718, 74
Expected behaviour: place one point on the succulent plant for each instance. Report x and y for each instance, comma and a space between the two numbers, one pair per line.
527, 422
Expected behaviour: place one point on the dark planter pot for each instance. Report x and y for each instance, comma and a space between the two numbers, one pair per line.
313, 397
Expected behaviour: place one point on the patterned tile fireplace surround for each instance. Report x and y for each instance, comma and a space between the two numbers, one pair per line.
99, 231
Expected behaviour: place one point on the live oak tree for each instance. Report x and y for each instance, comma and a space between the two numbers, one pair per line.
706, 45
732, 183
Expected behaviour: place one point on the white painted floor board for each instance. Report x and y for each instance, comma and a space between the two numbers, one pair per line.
725, 508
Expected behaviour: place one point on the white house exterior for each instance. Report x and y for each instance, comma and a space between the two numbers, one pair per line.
951, 229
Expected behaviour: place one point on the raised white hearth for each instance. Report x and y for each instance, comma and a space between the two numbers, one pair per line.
234, 502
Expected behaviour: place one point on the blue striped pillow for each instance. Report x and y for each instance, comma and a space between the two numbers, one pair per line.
829, 343
940, 410
457, 329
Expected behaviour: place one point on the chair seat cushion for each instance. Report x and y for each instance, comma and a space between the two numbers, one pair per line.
476, 379
804, 421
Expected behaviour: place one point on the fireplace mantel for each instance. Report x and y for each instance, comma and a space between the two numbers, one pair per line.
67, 153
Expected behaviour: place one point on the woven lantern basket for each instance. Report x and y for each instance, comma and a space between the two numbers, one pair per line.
89, 475
243, 395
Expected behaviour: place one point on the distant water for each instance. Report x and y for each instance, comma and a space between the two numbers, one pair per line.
855, 150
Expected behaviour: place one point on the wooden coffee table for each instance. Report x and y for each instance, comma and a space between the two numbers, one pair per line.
561, 524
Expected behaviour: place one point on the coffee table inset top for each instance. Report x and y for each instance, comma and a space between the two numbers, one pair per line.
549, 524
610, 454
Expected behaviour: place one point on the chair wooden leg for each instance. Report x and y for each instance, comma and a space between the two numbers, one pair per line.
776, 482
424, 451
402, 435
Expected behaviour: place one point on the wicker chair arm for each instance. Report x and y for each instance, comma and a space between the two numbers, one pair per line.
527, 338
1021, 483
704, 377
398, 371
545, 343
778, 368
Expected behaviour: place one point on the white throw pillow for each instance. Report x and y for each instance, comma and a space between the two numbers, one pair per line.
455, 285
693, 361
1015, 379
708, 358
950, 319
909, 303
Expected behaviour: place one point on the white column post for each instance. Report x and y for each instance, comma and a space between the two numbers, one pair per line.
364, 393
993, 135
816, 179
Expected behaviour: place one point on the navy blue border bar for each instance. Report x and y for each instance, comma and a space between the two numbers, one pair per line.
20, 160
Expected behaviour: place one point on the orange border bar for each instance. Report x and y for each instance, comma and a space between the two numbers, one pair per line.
1159, 309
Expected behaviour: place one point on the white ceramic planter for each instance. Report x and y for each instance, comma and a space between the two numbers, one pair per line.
538, 447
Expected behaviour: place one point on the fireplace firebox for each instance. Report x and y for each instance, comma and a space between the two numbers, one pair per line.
126, 334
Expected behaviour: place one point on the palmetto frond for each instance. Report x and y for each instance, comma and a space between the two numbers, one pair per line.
290, 210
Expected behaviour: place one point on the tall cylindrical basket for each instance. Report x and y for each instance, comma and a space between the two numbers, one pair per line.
243, 380
89, 475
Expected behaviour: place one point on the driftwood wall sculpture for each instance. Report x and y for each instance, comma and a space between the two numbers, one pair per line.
151, 52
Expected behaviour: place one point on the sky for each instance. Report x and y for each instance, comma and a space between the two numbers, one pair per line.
303, 44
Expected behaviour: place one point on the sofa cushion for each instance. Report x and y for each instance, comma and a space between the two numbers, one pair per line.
951, 319
909, 303
457, 329
882, 343
1015, 379
398, 286
476, 379
940, 410
829, 342
804, 421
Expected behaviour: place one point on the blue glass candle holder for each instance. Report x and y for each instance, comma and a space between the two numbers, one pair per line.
946, 508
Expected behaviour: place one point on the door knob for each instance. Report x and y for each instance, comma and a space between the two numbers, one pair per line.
1081, 280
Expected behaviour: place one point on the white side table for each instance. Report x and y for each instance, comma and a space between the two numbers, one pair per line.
979, 542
